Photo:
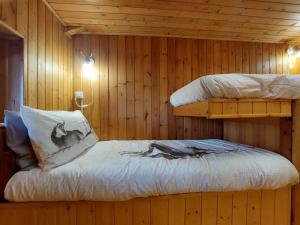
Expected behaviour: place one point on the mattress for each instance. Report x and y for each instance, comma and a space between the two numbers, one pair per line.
270, 86
122, 170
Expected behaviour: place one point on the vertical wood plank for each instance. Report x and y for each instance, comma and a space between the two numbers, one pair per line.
141, 212
32, 54
49, 60
254, 208
130, 88
147, 73
55, 77
159, 211
193, 210
95, 108
86, 214
123, 213
113, 87
171, 86
224, 208
104, 95
138, 89
66, 214
239, 211
209, 208
155, 96
105, 213
121, 88
41, 56
176, 211
163, 90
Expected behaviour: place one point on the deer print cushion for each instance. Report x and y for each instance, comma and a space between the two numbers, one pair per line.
57, 137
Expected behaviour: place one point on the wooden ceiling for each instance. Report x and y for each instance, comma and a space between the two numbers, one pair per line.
247, 20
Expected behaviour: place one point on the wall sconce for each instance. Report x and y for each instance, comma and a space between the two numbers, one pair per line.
88, 67
88, 72
293, 54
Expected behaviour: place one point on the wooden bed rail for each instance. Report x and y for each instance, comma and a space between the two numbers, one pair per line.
236, 108
7, 162
296, 162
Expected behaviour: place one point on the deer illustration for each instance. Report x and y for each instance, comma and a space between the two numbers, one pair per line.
65, 139
168, 152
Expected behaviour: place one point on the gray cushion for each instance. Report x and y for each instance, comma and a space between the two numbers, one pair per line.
18, 141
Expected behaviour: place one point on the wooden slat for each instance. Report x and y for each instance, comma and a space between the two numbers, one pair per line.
296, 161
237, 208
232, 108
147, 90
121, 89
130, 110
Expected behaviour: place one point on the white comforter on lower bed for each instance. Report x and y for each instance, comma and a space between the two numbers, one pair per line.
117, 170
271, 86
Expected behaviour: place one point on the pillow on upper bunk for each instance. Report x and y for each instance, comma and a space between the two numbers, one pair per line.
18, 141
57, 137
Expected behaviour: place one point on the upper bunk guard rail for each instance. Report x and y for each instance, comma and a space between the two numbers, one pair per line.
236, 108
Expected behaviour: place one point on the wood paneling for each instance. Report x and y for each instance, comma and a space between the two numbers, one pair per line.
252, 20
134, 79
222, 208
8, 9
265, 133
47, 53
144, 71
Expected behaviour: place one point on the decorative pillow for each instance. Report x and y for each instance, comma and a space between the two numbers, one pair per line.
18, 141
57, 137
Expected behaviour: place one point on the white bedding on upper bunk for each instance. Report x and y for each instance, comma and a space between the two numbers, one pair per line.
272, 86
105, 173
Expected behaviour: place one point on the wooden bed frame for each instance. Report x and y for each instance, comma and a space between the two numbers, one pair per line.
260, 207
236, 108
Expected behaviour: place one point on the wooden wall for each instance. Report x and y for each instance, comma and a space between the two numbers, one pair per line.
11, 75
8, 12
136, 75
47, 53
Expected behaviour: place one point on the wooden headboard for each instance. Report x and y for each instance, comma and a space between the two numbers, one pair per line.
7, 162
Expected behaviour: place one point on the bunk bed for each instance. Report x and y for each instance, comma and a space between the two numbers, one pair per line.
234, 207
235, 109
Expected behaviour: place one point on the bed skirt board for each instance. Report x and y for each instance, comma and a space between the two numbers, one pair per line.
221, 208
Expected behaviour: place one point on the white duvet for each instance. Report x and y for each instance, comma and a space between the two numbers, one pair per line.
272, 86
117, 170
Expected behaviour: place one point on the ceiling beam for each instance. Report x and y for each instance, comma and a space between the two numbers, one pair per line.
70, 31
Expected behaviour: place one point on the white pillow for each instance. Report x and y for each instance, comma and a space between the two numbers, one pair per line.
57, 137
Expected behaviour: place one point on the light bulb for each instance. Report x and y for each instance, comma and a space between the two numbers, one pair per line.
88, 70
290, 51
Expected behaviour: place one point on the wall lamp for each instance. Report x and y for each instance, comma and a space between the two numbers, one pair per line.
88, 72
293, 53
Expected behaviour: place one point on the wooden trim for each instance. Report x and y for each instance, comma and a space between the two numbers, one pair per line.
236, 108
8, 31
54, 12
262, 207
296, 161
70, 31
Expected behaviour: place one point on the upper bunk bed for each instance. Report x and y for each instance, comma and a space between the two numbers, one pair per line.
237, 96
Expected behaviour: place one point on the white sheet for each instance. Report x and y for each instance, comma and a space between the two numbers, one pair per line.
270, 86
103, 174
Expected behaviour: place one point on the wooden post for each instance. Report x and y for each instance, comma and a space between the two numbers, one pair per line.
296, 162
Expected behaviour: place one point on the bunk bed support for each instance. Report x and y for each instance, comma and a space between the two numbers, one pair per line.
296, 162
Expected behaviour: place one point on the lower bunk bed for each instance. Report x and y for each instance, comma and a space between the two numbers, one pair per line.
140, 182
